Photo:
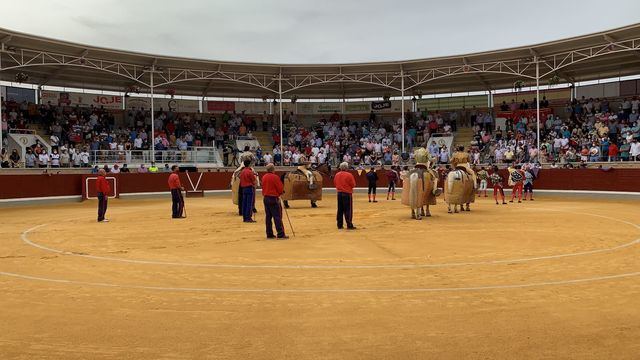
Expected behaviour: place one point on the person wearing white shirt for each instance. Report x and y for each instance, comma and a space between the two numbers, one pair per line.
84, 158
43, 159
322, 158
55, 159
635, 150
296, 158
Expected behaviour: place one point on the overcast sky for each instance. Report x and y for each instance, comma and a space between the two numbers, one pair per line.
318, 31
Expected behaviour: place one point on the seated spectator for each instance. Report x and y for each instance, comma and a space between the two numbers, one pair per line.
14, 159
4, 158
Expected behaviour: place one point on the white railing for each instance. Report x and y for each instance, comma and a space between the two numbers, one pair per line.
195, 155
22, 131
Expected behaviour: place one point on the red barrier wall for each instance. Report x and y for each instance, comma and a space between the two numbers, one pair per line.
28, 186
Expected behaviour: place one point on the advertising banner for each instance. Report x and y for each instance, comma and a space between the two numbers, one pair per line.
380, 105
220, 106
359, 107
177, 105
557, 95
252, 107
529, 114
323, 108
18, 94
113, 102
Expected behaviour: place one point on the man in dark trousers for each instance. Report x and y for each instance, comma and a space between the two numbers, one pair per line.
272, 188
345, 182
104, 190
247, 187
372, 178
177, 202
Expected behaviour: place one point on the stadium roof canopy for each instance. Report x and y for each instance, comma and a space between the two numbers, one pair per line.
51, 62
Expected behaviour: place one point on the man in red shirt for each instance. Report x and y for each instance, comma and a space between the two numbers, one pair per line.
272, 188
345, 182
247, 187
104, 190
613, 152
177, 202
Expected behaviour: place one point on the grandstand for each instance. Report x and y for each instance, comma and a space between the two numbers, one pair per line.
554, 278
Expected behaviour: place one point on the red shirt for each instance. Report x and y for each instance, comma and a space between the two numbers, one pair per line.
174, 181
271, 185
613, 150
102, 186
344, 182
246, 177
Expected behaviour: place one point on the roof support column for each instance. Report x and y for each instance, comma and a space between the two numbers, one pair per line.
538, 104
153, 124
402, 105
281, 125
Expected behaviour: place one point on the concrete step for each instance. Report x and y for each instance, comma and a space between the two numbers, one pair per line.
264, 138
464, 136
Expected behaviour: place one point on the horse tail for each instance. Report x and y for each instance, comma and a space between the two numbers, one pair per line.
450, 179
413, 189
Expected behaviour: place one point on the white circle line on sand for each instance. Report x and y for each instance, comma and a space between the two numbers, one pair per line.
329, 290
25, 239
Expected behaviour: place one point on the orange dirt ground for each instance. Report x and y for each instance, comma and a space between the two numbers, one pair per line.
555, 278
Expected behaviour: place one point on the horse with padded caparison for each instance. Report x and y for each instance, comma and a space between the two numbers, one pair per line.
420, 185
304, 184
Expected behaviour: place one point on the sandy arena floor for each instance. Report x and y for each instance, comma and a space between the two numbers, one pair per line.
555, 278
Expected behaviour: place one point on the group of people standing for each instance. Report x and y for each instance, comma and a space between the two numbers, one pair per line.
519, 179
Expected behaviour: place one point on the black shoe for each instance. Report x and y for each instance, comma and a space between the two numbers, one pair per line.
519, 201
375, 200
340, 227
314, 205
249, 221
351, 228
283, 237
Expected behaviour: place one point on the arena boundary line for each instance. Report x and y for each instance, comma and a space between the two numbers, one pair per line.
161, 194
25, 239
329, 290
